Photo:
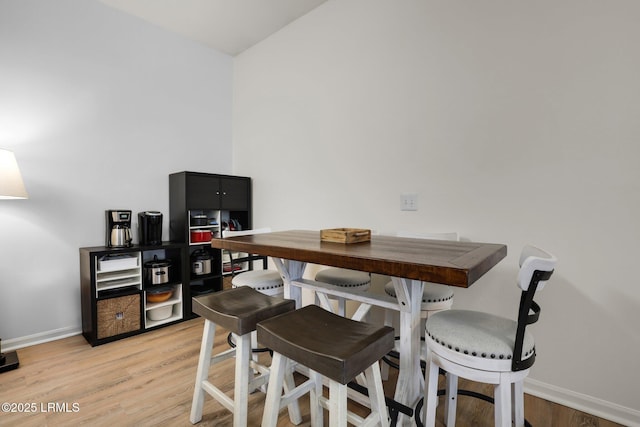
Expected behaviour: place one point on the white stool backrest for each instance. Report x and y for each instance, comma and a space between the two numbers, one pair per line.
434, 236
532, 259
229, 233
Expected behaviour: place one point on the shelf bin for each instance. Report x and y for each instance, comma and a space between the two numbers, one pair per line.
118, 315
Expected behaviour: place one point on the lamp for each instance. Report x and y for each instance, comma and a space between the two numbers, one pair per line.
11, 187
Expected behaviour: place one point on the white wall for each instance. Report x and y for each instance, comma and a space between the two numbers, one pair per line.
514, 122
99, 108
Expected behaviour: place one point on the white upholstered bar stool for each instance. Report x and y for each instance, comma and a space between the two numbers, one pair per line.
487, 348
330, 346
237, 310
435, 297
266, 281
263, 280
352, 279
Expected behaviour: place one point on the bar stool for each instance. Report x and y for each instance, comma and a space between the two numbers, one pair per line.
355, 280
487, 348
262, 280
330, 346
266, 281
237, 310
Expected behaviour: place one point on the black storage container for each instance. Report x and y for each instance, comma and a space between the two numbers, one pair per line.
150, 225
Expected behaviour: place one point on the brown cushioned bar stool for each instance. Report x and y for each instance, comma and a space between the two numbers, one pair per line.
237, 310
332, 346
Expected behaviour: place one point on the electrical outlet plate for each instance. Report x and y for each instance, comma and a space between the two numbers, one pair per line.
408, 202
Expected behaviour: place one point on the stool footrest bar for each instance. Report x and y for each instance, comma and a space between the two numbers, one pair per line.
296, 393
218, 394
352, 418
221, 357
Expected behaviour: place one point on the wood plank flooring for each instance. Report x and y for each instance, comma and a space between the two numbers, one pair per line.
148, 380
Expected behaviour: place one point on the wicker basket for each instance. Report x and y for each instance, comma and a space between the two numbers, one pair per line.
118, 315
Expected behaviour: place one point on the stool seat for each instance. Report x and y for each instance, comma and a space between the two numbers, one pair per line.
345, 278
332, 345
479, 335
355, 280
432, 293
240, 309
260, 280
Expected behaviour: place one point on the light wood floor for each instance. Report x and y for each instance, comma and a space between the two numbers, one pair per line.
148, 380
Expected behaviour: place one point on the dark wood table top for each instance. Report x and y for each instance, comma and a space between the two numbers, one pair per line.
438, 261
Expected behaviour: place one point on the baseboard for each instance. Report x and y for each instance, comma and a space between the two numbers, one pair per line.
581, 402
42, 337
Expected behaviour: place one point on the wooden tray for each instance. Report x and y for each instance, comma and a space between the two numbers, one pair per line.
345, 235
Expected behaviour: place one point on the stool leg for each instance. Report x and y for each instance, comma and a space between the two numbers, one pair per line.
376, 393
517, 400
315, 408
388, 321
274, 391
254, 357
342, 307
431, 395
202, 374
289, 384
502, 397
337, 404
254, 344
451, 402
241, 385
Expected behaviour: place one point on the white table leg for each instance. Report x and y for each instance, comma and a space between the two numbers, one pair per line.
408, 388
291, 270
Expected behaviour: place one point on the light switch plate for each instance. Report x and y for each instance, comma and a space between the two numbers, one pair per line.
408, 202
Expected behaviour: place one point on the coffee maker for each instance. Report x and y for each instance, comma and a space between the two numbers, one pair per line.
118, 229
150, 227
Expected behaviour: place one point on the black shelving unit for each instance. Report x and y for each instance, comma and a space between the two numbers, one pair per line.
113, 290
225, 202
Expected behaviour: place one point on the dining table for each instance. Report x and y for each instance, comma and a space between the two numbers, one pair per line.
409, 262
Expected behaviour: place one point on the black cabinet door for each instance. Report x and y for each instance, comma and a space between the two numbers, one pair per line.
203, 191
234, 193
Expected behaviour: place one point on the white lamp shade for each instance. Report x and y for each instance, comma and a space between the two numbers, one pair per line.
11, 185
